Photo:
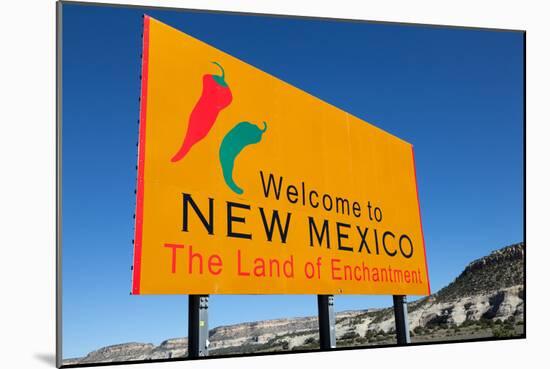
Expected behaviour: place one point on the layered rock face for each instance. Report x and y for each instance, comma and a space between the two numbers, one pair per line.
489, 289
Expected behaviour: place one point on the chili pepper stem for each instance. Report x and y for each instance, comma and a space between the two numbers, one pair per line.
223, 71
265, 127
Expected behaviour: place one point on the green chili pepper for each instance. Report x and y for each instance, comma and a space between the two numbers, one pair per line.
239, 137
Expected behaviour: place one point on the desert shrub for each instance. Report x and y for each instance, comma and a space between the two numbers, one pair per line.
509, 326
467, 323
503, 331
486, 323
370, 333
349, 335
418, 330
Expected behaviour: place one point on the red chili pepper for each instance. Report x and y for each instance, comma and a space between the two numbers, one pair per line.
215, 96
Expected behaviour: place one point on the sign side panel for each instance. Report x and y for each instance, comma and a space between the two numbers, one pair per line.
421, 227
138, 237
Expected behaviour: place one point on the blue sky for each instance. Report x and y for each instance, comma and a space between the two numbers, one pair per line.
455, 94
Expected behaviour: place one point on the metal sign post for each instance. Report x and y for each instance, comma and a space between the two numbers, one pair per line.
401, 319
197, 344
327, 322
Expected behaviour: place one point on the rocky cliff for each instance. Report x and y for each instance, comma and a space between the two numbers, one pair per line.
485, 300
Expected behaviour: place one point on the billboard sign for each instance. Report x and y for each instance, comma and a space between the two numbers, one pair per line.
249, 185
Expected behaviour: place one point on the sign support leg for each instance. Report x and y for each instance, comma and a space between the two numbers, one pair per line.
401, 319
197, 344
327, 322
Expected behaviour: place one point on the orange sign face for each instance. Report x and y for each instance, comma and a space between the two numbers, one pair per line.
248, 185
